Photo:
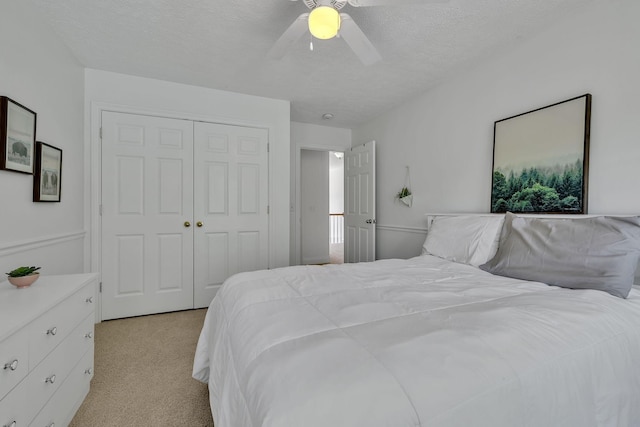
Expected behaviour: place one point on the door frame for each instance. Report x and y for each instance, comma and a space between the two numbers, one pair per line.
297, 229
93, 191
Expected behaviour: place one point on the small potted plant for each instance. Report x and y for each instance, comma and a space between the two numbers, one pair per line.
405, 196
23, 277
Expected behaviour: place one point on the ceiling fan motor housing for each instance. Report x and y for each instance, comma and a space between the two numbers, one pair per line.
336, 4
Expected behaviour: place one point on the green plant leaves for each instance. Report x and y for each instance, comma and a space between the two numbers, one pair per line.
23, 271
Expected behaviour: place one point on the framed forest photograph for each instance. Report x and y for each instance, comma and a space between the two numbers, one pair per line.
47, 181
541, 158
17, 136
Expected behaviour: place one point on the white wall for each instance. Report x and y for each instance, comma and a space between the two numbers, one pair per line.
310, 137
106, 90
38, 71
446, 134
314, 206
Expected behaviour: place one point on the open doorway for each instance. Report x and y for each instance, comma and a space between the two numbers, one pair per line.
336, 207
321, 207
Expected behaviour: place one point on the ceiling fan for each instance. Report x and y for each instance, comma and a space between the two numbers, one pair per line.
325, 21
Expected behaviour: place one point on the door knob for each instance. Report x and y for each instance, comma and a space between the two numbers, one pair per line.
199, 224
13, 365
187, 224
368, 221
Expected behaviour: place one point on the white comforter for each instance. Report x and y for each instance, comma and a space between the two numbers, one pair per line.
419, 342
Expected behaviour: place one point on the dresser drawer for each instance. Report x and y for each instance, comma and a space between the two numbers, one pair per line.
13, 362
62, 406
64, 306
13, 408
49, 375
52, 327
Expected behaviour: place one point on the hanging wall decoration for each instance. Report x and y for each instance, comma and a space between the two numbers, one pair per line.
541, 159
17, 136
404, 195
47, 181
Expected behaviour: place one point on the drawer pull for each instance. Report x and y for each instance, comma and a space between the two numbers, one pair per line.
88, 335
89, 300
11, 424
51, 379
52, 331
88, 371
13, 365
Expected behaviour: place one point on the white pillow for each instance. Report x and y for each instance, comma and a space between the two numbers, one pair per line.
467, 239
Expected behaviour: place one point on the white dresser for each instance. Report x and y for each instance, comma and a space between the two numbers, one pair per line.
46, 349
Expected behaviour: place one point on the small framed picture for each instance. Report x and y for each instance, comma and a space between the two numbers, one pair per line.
17, 136
47, 180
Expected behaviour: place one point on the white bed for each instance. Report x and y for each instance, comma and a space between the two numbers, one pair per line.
418, 342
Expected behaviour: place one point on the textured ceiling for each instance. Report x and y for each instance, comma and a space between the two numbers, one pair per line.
223, 45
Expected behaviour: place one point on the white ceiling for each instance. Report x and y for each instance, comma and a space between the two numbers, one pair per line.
222, 44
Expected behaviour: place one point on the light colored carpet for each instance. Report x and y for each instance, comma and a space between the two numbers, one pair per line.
143, 374
336, 253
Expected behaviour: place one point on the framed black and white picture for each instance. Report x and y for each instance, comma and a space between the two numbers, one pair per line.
47, 180
17, 136
541, 159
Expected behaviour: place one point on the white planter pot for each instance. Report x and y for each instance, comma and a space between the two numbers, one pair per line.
408, 200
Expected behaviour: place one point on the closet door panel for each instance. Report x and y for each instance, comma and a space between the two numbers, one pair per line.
147, 196
231, 203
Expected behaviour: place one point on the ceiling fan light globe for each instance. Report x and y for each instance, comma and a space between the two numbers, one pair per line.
324, 22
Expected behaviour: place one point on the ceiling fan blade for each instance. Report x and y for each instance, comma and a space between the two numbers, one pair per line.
360, 3
290, 36
357, 41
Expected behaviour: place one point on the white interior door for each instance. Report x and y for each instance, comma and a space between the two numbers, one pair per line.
147, 199
231, 205
360, 203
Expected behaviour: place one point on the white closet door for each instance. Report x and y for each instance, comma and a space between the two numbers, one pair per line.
147, 199
360, 203
231, 198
